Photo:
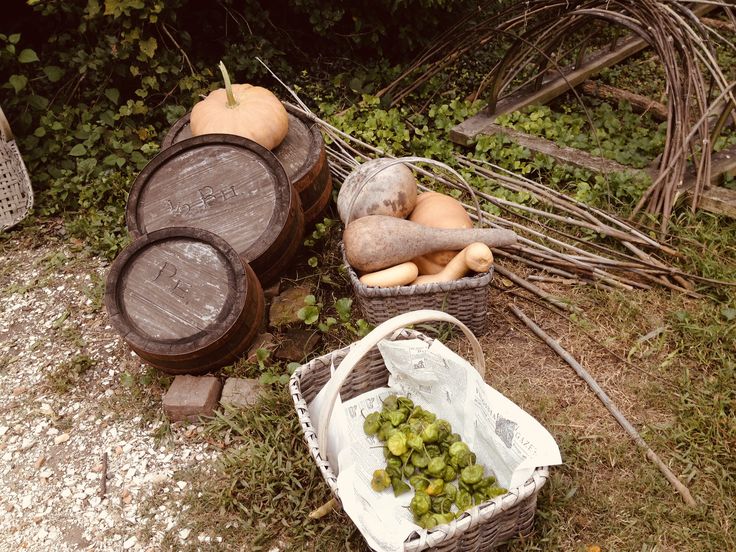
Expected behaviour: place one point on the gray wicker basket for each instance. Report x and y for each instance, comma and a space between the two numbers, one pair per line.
16, 194
467, 298
360, 368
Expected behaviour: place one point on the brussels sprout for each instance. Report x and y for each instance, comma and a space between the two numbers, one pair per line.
449, 473
444, 428
430, 434
433, 450
399, 486
414, 441
397, 443
463, 500
391, 403
406, 402
472, 474
426, 521
372, 423
420, 504
450, 491
419, 459
393, 471
436, 487
419, 482
380, 480
436, 466
458, 448
443, 518
441, 504
453, 438
396, 417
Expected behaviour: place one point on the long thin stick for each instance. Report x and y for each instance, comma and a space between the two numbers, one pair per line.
583, 373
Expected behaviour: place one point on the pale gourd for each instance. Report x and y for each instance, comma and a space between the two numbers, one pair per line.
439, 211
252, 112
376, 242
398, 275
379, 186
476, 257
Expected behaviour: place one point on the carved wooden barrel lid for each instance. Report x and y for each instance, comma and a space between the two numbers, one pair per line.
218, 182
177, 291
302, 152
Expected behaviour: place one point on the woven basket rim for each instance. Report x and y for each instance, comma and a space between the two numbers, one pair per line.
467, 282
420, 539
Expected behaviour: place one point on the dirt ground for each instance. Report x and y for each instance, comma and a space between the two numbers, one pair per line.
89, 462
79, 434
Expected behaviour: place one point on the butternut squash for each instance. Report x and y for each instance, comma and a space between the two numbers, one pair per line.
439, 211
398, 275
476, 257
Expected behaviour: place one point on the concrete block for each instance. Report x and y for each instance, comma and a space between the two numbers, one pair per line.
191, 396
240, 392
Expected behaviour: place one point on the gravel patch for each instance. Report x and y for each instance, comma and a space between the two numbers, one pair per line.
83, 465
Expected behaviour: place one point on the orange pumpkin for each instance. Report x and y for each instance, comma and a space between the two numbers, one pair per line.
249, 111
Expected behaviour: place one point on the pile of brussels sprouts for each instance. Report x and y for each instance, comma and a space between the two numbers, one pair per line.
422, 449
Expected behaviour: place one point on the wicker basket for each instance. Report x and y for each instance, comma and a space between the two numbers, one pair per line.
16, 194
467, 298
360, 368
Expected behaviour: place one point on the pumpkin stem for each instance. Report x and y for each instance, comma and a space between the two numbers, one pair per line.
228, 86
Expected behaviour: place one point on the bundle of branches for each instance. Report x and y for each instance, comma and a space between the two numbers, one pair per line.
550, 239
696, 87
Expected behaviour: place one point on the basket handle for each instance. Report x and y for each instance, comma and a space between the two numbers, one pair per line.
359, 349
5, 132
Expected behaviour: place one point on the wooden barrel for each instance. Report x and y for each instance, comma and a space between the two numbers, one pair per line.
184, 300
228, 185
302, 153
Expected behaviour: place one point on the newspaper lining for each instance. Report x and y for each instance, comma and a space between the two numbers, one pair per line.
507, 441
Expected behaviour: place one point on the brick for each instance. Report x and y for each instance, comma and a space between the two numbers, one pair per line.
240, 392
191, 396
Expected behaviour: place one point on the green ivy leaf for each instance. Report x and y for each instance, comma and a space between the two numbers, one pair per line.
53, 72
148, 47
14, 38
78, 150
308, 314
27, 56
343, 307
112, 94
18, 82
728, 313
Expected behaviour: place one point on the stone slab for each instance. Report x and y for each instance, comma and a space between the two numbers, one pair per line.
190, 397
240, 392
297, 344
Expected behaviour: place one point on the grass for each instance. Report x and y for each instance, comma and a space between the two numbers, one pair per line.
676, 388
68, 374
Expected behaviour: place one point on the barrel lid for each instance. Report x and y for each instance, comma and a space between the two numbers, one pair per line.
298, 153
226, 184
175, 291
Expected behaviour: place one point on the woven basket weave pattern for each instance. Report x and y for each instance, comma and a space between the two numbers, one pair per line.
466, 299
483, 527
16, 194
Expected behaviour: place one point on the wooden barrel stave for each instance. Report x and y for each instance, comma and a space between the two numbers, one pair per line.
230, 307
228, 185
302, 154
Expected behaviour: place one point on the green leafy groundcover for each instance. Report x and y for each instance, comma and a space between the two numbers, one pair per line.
90, 86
